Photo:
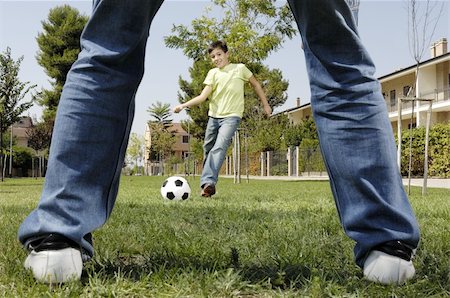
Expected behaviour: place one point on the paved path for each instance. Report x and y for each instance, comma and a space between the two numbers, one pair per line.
431, 182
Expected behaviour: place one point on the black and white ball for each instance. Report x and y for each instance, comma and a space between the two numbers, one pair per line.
175, 188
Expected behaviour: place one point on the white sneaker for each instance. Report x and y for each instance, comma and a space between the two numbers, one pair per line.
387, 269
55, 266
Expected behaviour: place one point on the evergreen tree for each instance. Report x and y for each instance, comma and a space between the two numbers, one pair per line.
59, 45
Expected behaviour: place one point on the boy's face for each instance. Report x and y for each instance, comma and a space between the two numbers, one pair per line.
219, 57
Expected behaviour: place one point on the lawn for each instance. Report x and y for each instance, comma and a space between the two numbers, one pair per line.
257, 239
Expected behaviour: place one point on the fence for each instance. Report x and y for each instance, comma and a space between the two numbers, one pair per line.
292, 162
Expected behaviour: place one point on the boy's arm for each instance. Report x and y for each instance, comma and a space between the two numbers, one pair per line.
262, 96
194, 101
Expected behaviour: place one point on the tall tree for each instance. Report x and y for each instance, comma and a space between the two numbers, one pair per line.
252, 29
59, 45
12, 92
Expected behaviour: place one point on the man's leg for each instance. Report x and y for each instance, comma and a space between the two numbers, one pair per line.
355, 133
91, 131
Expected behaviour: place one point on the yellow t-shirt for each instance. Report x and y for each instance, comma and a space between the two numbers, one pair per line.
227, 97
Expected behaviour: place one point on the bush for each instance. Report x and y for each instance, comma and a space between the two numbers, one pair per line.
438, 151
22, 159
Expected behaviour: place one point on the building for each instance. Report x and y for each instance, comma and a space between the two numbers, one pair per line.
434, 84
19, 131
180, 149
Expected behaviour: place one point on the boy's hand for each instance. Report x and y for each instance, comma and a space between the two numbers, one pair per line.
178, 108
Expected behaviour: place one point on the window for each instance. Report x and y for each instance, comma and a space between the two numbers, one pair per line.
406, 91
392, 98
185, 139
414, 125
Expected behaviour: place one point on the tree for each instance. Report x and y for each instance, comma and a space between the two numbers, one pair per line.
252, 29
162, 139
12, 92
161, 113
59, 45
135, 150
22, 160
39, 137
423, 17
270, 133
295, 134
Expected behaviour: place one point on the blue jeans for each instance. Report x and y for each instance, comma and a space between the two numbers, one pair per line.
97, 105
355, 133
218, 135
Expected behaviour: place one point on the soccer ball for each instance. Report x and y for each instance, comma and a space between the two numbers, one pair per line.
175, 189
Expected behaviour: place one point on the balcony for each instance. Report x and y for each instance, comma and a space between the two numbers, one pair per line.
438, 96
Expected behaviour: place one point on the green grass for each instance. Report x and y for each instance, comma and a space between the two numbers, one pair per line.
261, 239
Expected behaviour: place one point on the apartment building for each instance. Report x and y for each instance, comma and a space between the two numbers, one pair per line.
398, 87
433, 88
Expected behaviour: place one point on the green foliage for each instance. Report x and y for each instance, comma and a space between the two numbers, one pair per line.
162, 140
252, 29
22, 159
267, 134
438, 154
12, 92
160, 113
274, 87
39, 136
135, 149
294, 134
439, 150
310, 159
59, 45
198, 114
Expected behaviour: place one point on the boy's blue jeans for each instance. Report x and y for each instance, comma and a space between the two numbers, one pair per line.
218, 135
97, 105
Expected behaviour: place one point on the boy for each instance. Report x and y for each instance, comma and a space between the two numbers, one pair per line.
225, 88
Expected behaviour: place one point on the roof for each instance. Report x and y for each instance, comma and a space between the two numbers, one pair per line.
412, 67
293, 109
174, 127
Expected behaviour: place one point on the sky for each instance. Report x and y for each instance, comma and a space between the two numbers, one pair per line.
382, 27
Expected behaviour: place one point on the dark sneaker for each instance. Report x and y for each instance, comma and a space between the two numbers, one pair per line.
390, 263
208, 190
54, 259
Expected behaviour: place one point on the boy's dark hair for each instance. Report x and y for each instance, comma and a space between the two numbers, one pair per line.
219, 44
